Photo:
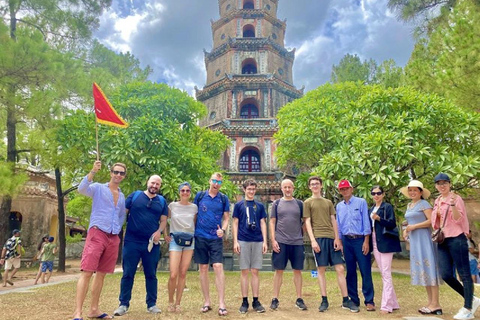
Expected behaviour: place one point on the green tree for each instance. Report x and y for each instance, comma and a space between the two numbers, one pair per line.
447, 62
374, 135
351, 68
37, 71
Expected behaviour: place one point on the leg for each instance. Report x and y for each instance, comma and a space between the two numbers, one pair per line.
82, 287
49, 274
389, 298
220, 283
458, 248
297, 280
43, 277
351, 264
13, 272
277, 282
97, 286
342, 283
174, 264
434, 299
322, 282
244, 282
5, 277
255, 283
150, 263
203, 268
130, 259
365, 266
39, 273
182, 276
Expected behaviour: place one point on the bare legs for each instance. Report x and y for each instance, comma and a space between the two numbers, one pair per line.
179, 263
82, 288
433, 298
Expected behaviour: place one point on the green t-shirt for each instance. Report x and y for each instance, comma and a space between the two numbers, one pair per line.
48, 254
320, 212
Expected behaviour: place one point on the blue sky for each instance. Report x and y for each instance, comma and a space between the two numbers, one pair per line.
170, 35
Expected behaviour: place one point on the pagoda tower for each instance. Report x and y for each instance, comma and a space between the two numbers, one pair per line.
249, 78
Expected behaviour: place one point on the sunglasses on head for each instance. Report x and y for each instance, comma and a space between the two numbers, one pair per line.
379, 193
115, 172
216, 181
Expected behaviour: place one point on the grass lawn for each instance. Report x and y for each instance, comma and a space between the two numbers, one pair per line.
58, 301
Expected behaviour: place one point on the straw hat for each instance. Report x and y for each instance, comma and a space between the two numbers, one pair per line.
417, 184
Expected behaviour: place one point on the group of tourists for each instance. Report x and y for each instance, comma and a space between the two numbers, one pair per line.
345, 235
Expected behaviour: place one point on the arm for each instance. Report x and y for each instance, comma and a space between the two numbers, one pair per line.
4, 252
308, 226
236, 246
85, 186
166, 230
275, 246
458, 208
367, 227
424, 224
337, 243
263, 226
388, 220
221, 232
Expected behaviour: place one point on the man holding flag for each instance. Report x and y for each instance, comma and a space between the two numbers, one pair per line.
106, 220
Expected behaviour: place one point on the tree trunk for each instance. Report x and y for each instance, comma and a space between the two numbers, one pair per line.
61, 221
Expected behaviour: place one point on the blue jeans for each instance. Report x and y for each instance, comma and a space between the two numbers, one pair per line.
352, 251
131, 255
456, 249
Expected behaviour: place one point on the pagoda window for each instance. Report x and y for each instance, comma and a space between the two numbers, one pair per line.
249, 111
249, 66
249, 31
249, 161
248, 4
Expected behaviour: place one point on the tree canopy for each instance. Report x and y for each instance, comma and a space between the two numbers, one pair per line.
372, 135
447, 62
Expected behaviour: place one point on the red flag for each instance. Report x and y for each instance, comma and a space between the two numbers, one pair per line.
104, 111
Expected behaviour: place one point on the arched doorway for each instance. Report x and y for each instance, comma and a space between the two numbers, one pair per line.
249, 161
249, 31
15, 220
249, 66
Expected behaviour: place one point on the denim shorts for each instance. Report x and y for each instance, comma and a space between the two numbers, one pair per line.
175, 247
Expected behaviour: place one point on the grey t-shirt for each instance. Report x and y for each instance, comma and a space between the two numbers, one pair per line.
288, 225
182, 218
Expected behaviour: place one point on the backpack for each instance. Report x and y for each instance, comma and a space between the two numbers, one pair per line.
300, 205
135, 196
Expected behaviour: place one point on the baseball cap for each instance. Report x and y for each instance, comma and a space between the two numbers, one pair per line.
442, 176
51, 239
344, 184
15, 231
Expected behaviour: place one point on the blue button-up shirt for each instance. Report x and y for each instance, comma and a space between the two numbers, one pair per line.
352, 217
105, 215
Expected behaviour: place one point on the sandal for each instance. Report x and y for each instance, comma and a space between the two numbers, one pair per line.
222, 312
178, 308
205, 309
171, 307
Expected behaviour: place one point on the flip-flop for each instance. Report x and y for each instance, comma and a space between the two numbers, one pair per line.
205, 309
10, 282
222, 312
102, 316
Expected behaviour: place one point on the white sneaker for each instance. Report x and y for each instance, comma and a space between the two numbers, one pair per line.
463, 314
475, 304
154, 309
121, 310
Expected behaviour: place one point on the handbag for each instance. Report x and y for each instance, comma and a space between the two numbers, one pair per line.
183, 239
437, 235
389, 232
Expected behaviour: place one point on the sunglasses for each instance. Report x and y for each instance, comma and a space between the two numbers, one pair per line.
115, 172
149, 204
216, 181
185, 191
376, 193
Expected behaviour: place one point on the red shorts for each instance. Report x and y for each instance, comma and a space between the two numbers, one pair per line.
100, 252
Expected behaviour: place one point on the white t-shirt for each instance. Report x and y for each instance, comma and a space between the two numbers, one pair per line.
182, 217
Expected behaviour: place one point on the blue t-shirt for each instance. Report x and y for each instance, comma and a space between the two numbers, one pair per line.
256, 213
210, 213
144, 217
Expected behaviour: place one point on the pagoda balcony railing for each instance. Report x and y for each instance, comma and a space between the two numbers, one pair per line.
254, 123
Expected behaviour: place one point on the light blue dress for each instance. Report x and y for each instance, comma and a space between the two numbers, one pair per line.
423, 252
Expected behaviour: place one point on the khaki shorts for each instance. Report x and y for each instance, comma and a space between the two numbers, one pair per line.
12, 262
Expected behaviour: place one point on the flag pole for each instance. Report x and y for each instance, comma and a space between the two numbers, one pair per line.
96, 137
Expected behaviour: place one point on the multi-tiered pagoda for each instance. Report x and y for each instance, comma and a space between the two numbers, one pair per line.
249, 78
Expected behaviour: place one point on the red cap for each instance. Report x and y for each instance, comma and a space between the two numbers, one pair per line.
344, 184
